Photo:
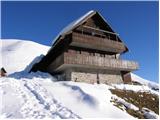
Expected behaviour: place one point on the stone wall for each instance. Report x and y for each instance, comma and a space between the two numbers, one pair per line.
115, 78
109, 78
83, 77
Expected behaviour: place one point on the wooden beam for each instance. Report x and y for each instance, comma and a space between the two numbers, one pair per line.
100, 30
92, 42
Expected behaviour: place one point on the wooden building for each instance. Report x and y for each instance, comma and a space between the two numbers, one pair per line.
88, 50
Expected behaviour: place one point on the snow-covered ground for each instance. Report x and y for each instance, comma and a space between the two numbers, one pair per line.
39, 98
17, 54
150, 84
39, 95
138, 88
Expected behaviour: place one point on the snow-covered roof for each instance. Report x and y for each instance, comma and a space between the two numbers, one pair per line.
73, 24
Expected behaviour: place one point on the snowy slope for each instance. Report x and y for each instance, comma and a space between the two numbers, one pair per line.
43, 98
40, 96
148, 83
33, 101
17, 54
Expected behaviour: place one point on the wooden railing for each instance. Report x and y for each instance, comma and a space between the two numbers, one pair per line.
99, 62
93, 42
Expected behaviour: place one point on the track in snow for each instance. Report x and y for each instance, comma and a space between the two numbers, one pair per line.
49, 103
38, 103
31, 107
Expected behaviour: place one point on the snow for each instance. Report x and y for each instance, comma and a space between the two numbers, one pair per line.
33, 101
88, 100
148, 83
149, 114
136, 88
19, 53
126, 104
72, 25
45, 98
40, 95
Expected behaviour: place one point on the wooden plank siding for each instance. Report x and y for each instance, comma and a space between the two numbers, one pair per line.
88, 41
56, 63
84, 61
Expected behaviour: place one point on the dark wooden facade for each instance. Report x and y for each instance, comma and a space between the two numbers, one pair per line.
88, 45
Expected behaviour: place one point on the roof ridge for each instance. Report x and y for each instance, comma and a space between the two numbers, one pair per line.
73, 24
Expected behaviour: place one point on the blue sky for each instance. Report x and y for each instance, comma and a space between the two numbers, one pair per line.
136, 22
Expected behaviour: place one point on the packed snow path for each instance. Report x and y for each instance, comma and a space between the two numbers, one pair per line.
37, 103
49, 102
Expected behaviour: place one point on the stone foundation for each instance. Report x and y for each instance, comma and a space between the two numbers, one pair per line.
83, 77
110, 78
114, 78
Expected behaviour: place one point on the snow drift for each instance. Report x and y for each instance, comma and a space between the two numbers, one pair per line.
148, 83
17, 54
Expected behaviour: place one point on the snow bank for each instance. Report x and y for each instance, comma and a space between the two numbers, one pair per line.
150, 84
17, 54
149, 114
146, 86
135, 88
44, 98
33, 101
87, 100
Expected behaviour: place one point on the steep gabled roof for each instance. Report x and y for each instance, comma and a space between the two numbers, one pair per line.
73, 25
68, 29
